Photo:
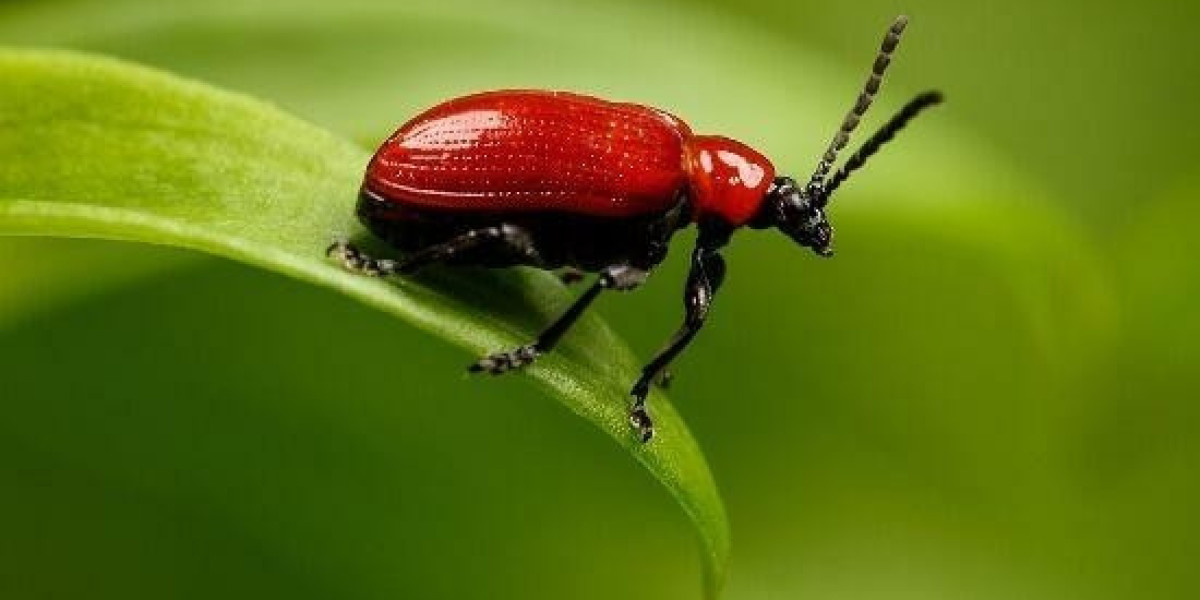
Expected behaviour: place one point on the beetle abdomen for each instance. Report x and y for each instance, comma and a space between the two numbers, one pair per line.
534, 151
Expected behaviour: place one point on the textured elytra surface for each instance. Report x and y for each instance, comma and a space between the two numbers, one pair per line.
527, 150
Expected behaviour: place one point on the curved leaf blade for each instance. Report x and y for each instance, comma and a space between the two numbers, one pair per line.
101, 148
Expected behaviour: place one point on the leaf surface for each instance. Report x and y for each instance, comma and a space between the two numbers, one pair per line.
111, 150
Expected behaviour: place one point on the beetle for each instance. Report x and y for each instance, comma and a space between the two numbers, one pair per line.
556, 179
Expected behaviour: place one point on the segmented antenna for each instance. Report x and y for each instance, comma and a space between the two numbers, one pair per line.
883, 136
870, 88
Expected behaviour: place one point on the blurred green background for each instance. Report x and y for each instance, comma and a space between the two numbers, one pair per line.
989, 393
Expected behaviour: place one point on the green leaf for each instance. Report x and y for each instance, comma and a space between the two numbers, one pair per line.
100, 148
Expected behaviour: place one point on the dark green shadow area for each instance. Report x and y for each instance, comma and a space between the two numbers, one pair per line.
219, 432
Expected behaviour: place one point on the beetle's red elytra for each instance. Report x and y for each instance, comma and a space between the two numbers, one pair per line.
531, 150
563, 180
528, 150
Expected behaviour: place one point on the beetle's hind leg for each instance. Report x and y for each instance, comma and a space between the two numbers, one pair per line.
356, 261
513, 239
621, 277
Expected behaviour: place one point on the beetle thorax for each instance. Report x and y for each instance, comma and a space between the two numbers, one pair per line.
728, 179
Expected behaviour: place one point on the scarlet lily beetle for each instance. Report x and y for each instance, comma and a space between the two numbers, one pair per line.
554, 179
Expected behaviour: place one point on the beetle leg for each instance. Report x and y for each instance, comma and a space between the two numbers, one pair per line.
513, 237
620, 277
705, 277
516, 238
354, 260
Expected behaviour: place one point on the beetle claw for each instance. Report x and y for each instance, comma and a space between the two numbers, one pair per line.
355, 261
341, 251
642, 423
502, 362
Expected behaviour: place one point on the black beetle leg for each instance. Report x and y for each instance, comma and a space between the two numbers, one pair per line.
515, 238
354, 260
705, 277
612, 278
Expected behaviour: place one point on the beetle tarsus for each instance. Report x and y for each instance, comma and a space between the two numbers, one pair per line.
639, 418
355, 261
641, 422
502, 362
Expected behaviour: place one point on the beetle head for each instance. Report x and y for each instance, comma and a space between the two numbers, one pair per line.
798, 212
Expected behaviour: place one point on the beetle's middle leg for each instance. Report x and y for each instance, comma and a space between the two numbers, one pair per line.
515, 239
620, 277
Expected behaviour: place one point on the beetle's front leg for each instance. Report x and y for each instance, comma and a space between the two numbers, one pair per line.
705, 277
621, 277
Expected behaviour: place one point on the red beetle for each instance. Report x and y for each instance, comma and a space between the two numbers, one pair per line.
553, 179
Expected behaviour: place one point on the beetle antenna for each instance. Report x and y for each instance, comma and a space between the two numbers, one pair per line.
816, 183
883, 136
